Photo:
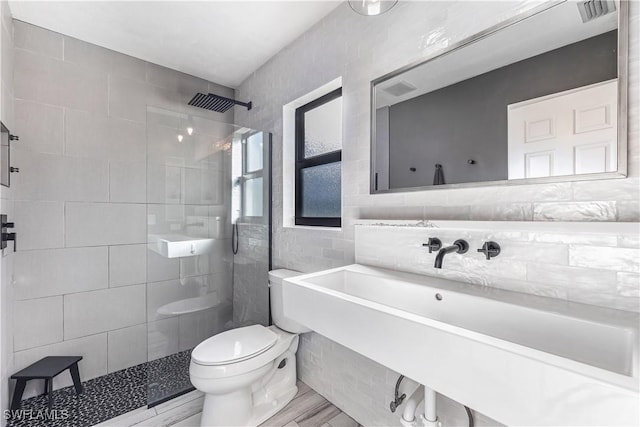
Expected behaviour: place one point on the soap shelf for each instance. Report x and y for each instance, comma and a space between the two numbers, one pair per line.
179, 245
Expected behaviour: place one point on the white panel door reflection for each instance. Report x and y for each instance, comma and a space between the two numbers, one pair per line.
567, 133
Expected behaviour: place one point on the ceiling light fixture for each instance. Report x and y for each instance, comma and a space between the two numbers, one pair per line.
372, 7
180, 138
190, 130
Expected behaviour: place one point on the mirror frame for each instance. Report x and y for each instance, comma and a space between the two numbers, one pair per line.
623, 61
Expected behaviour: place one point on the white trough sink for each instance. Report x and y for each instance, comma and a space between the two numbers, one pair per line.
179, 245
518, 358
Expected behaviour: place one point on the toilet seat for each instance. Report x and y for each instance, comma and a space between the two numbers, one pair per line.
234, 346
230, 369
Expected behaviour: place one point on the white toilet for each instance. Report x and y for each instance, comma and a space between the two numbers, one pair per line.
248, 374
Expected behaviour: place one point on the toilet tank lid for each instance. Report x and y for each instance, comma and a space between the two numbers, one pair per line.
276, 276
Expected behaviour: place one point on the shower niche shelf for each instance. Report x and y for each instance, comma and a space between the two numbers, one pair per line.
190, 305
179, 245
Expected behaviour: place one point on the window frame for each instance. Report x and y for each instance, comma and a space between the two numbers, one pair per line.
302, 163
247, 176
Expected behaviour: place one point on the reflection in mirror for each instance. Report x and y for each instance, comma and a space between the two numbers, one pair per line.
536, 99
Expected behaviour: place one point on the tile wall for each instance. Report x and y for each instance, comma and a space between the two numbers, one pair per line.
83, 280
6, 205
595, 264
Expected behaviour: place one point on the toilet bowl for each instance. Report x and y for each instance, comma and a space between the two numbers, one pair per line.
248, 374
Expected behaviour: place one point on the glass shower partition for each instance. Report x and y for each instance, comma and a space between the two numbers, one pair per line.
203, 176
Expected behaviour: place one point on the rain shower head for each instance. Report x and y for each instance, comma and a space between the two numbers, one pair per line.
217, 103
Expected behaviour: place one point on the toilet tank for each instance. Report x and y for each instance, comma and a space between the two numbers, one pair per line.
277, 310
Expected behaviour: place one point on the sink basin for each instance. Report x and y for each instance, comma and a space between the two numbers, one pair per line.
520, 359
179, 245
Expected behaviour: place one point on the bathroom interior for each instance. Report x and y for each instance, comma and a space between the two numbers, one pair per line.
286, 213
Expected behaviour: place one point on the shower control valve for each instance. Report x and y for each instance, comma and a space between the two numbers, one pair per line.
434, 244
490, 249
5, 235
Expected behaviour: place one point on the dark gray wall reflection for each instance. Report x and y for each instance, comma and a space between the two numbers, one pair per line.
468, 120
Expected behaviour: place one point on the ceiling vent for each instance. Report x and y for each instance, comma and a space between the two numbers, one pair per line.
594, 9
400, 88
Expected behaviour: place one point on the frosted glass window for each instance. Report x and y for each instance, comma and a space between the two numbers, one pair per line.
252, 197
318, 161
321, 192
253, 152
323, 128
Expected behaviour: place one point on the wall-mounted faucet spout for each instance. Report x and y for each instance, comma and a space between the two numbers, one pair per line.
459, 246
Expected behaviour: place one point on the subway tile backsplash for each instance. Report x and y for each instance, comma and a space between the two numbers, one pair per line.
574, 261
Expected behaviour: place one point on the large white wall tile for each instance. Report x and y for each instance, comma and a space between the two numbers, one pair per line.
40, 225
127, 265
93, 350
90, 55
163, 337
127, 347
98, 136
162, 293
127, 182
84, 88
37, 322
88, 313
128, 98
38, 40
91, 224
53, 177
197, 327
40, 127
164, 184
160, 268
51, 272
81, 114
38, 78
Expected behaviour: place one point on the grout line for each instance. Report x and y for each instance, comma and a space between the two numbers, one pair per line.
63, 329
107, 351
109, 267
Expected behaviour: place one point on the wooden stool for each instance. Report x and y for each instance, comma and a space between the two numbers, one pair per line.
46, 369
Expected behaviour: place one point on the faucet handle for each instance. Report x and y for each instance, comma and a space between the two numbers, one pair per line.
490, 249
434, 244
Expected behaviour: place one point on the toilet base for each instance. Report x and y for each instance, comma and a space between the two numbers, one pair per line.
251, 406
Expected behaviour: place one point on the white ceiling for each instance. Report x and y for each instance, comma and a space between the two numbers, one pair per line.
220, 41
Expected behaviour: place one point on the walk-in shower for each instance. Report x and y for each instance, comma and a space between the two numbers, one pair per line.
202, 177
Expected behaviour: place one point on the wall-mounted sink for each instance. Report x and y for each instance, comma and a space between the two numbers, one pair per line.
179, 245
520, 359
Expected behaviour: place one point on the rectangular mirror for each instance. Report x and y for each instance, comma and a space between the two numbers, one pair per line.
539, 98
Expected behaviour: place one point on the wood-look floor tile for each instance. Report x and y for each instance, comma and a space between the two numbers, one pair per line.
302, 389
178, 401
318, 416
297, 407
172, 416
193, 421
343, 420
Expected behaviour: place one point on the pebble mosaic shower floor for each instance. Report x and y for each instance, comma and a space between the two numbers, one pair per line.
110, 395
